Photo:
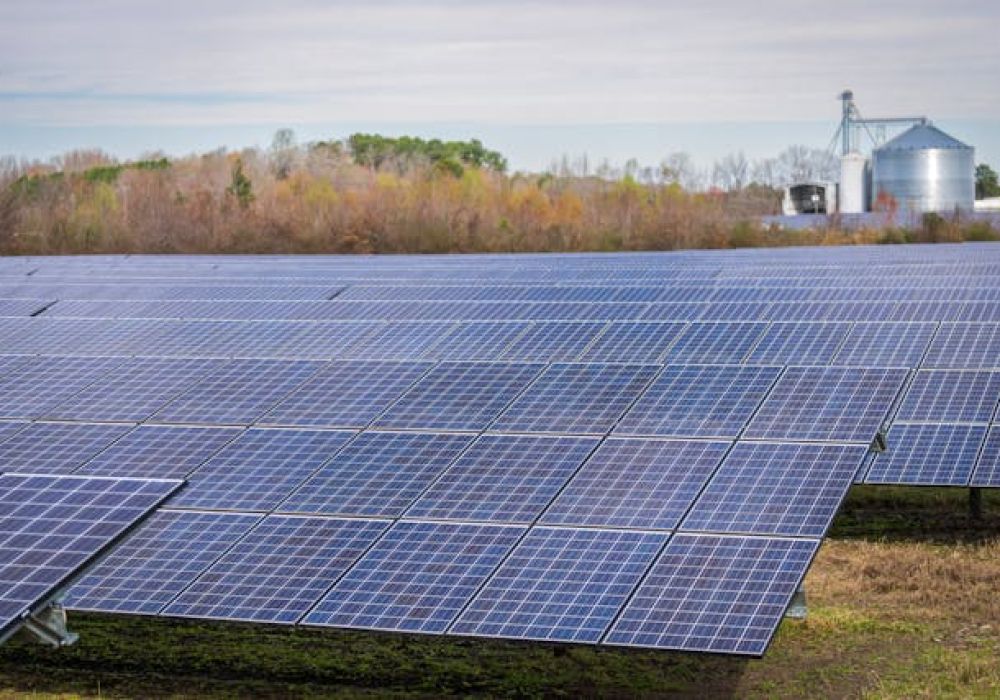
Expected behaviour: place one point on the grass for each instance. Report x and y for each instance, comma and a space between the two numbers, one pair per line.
903, 604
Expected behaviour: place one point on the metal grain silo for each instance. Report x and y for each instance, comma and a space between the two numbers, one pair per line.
924, 169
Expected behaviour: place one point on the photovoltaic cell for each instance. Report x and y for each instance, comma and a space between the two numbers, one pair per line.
239, 393
279, 570
634, 483
400, 341
503, 478
378, 474
799, 343
554, 341
56, 448
576, 398
945, 396
50, 526
928, 455
714, 593
699, 401
459, 396
715, 343
7, 431
561, 584
33, 389
987, 471
885, 344
634, 341
347, 394
478, 340
827, 403
417, 578
965, 346
258, 469
159, 451
157, 561
789, 489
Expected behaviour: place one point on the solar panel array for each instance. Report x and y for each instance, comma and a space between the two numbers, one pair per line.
636, 449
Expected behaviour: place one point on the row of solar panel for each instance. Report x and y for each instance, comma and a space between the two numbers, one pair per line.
153, 291
948, 345
766, 488
807, 403
337, 310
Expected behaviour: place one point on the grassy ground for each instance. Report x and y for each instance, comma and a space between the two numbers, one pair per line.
903, 603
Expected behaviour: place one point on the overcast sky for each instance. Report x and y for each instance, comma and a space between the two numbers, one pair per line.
117, 73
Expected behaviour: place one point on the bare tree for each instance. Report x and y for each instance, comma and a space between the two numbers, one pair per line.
731, 173
284, 153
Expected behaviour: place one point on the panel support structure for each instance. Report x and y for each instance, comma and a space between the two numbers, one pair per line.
797, 609
975, 503
48, 626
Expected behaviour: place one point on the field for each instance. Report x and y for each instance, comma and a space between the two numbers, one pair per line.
902, 604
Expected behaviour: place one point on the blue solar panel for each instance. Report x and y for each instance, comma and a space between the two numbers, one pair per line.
135, 390
634, 341
33, 389
378, 474
400, 341
258, 469
827, 403
239, 393
347, 394
965, 346
928, 455
417, 578
561, 584
9, 430
946, 396
715, 343
21, 307
459, 396
503, 478
699, 401
987, 472
714, 593
159, 451
885, 344
50, 526
56, 448
636, 483
157, 561
764, 488
799, 343
279, 570
576, 398
478, 340
553, 341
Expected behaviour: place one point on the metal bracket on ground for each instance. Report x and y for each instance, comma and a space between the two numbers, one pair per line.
48, 626
797, 609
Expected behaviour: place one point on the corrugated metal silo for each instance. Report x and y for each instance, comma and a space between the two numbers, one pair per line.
924, 169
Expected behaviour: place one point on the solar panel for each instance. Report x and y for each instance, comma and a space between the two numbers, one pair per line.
561, 584
346, 394
459, 396
553, 341
965, 346
53, 525
576, 398
885, 344
135, 390
258, 469
503, 478
827, 403
764, 488
478, 340
157, 561
635, 483
718, 593
987, 472
417, 578
378, 475
8, 430
715, 343
635, 341
699, 401
928, 454
35, 388
400, 341
159, 451
799, 343
239, 393
56, 448
278, 570
945, 396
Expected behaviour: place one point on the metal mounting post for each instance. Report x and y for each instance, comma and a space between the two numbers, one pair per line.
879, 444
975, 503
797, 609
48, 626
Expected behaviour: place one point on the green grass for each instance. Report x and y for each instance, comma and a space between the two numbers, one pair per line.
864, 637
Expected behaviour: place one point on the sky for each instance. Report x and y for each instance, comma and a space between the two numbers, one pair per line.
536, 80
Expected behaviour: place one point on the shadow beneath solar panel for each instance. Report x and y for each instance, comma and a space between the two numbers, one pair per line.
917, 514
